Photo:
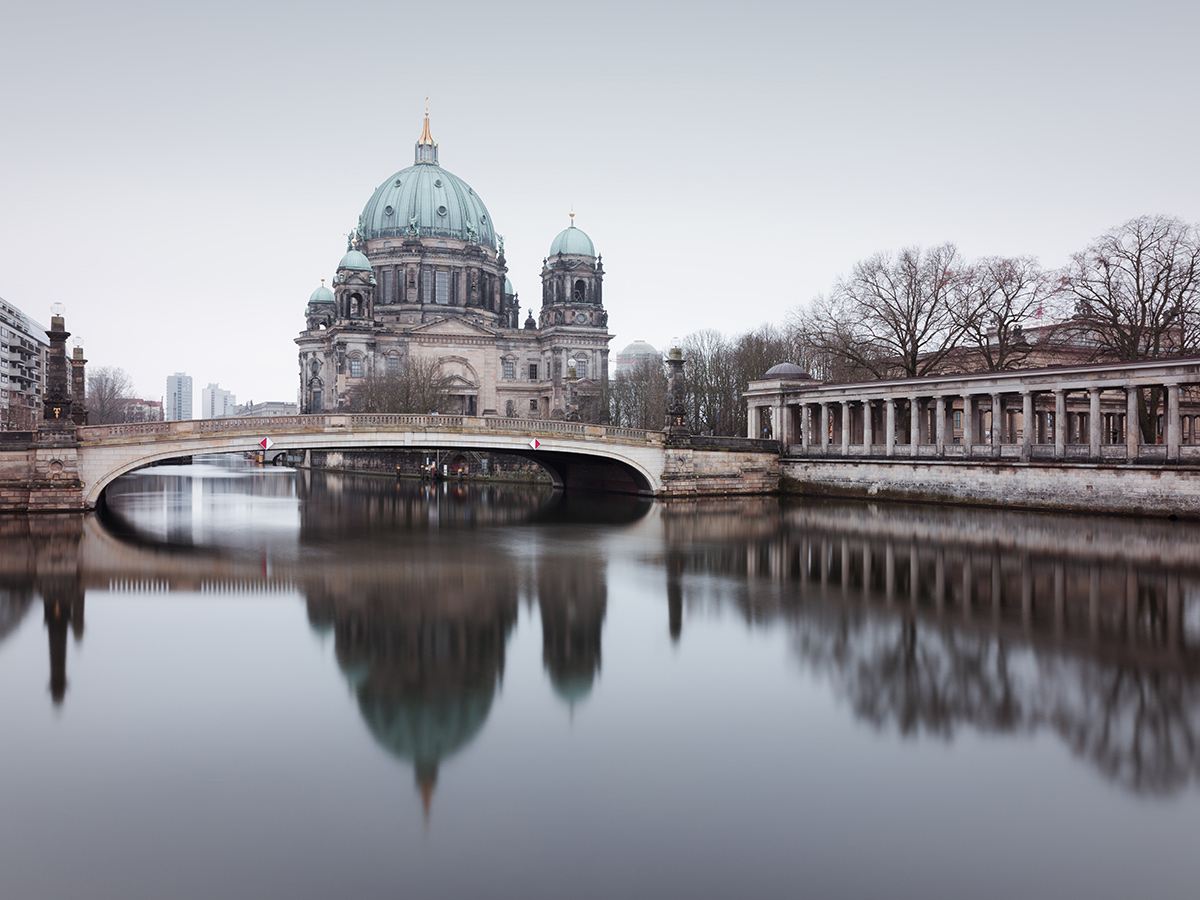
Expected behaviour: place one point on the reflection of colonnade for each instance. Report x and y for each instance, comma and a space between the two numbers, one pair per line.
928, 620
1114, 411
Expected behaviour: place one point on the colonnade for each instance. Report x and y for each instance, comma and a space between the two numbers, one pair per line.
1104, 411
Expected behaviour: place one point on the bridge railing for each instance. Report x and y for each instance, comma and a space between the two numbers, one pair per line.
364, 421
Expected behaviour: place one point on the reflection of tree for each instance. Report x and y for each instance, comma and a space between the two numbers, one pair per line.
898, 672
1139, 726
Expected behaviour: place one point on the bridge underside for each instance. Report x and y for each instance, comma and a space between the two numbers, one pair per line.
577, 472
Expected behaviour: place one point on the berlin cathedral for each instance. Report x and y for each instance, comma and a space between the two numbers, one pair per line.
424, 279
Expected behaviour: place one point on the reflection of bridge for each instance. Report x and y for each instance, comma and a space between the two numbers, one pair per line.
52, 471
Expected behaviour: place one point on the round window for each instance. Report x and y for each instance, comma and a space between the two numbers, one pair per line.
437, 182
397, 182
387, 210
441, 210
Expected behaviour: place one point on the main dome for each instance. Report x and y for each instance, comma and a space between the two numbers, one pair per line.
429, 199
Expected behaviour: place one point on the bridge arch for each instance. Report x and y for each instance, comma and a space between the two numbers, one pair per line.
582, 457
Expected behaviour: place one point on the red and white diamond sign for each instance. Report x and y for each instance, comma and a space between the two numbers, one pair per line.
266, 443
535, 443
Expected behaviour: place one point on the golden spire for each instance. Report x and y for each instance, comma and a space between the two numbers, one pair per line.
572, 215
426, 136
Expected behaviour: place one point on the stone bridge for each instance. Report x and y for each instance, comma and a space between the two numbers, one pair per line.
69, 468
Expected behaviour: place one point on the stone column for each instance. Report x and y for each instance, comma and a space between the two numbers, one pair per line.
676, 427
1060, 424
868, 428
940, 431
845, 428
56, 401
825, 428
997, 424
1027, 425
914, 416
1173, 422
78, 386
968, 436
1094, 423
1133, 431
890, 426
805, 426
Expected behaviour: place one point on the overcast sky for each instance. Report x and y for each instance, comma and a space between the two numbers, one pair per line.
182, 176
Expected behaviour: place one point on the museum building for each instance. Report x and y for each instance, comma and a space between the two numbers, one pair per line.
424, 279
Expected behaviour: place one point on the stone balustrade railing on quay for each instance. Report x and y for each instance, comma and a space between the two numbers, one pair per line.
1132, 412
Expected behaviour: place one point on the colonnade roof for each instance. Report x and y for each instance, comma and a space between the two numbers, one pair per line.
1104, 376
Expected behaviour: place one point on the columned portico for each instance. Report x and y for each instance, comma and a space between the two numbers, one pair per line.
1064, 413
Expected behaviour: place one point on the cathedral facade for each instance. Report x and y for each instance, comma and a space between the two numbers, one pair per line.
424, 280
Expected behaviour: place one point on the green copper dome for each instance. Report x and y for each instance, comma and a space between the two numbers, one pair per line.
356, 261
572, 241
322, 295
427, 201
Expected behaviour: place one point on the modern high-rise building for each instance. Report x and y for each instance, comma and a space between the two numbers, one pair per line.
23, 348
217, 403
177, 403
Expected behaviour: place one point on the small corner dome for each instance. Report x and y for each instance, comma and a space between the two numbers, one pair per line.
508, 285
322, 295
787, 370
572, 241
356, 261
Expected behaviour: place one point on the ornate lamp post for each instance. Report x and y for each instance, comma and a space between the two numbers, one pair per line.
79, 411
56, 408
677, 429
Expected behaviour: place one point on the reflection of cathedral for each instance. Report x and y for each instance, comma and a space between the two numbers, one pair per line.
572, 598
423, 650
424, 279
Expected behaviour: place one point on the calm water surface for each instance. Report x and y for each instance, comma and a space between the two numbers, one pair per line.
260, 683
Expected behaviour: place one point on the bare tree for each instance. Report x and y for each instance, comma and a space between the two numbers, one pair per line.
417, 386
891, 315
997, 300
1137, 296
638, 398
109, 390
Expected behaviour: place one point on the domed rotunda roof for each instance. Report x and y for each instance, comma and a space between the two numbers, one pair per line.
355, 260
322, 295
787, 370
572, 241
426, 199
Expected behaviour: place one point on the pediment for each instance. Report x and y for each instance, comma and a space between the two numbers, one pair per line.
454, 326
458, 381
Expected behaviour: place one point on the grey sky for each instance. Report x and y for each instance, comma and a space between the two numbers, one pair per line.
181, 177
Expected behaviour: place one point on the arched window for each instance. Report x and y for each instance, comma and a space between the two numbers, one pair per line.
356, 369
579, 295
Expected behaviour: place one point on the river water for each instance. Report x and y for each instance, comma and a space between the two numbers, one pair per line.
245, 682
